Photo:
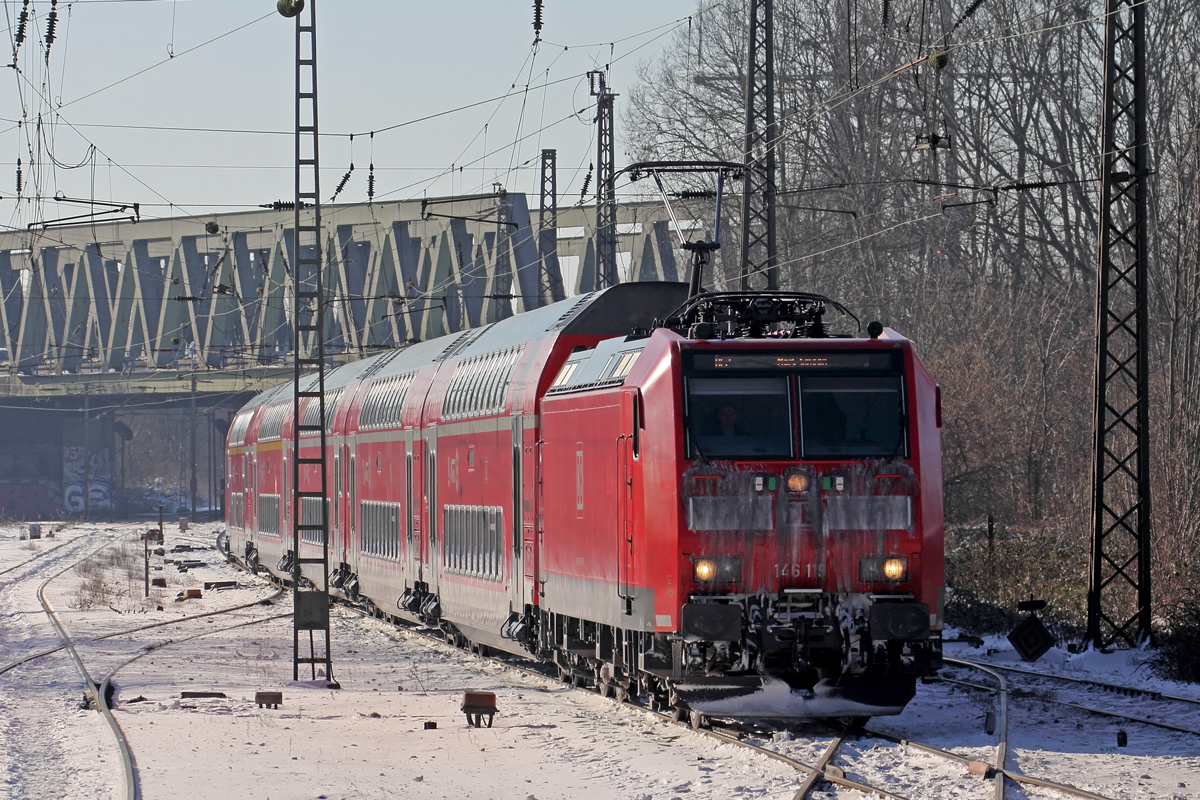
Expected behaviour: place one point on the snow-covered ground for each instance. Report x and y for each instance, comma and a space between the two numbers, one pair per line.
369, 739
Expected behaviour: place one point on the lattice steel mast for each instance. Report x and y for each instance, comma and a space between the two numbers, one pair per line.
758, 268
310, 511
1119, 588
606, 191
550, 282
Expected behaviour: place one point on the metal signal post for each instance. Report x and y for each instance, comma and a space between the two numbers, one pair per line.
1119, 586
310, 510
758, 190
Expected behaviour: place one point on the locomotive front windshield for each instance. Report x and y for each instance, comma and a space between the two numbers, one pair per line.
847, 405
747, 418
850, 416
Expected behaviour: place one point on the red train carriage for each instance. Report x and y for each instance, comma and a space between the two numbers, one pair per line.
712, 502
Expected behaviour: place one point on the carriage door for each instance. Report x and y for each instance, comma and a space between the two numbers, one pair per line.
521, 525
251, 500
531, 480
430, 567
335, 532
351, 502
412, 548
627, 452
285, 498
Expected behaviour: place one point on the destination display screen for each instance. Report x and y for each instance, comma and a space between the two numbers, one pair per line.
730, 362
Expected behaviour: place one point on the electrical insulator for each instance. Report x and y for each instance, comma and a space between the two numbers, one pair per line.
342, 185
537, 17
371, 182
290, 8
887, 8
18, 177
51, 24
22, 21
587, 181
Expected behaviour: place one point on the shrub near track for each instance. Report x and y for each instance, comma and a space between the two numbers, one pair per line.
986, 580
1177, 656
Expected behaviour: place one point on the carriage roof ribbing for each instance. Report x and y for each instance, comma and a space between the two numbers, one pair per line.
610, 312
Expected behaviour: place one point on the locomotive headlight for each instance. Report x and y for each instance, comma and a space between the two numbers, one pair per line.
877, 569
797, 482
717, 570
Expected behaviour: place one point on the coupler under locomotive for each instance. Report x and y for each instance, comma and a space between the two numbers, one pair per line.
800, 654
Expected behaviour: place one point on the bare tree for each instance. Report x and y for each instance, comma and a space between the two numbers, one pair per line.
938, 171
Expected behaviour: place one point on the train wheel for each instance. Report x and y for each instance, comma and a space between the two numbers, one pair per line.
578, 681
619, 694
604, 688
677, 713
564, 676
697, 720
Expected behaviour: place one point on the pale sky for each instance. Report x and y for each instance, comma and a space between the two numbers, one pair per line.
381, 63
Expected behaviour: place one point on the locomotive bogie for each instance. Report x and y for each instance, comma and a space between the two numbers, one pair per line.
739, 527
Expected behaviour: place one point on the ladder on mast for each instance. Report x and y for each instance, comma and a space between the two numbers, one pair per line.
310, 509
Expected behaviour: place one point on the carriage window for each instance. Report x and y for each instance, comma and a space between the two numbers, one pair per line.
851, 416
743, 418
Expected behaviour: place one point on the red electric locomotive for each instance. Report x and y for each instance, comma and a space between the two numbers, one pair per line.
711, 501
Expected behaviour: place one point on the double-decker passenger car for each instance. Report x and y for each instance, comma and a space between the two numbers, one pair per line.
709, 501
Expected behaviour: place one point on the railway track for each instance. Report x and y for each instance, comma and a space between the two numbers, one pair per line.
823, 770
99, 693
39, 556
814, 773
1123, 690
1002, 772
96, 694
1127, 691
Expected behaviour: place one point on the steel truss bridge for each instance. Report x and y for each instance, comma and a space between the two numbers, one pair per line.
130, 308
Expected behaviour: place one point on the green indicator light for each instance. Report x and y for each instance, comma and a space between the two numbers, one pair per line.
826, 483
771, 483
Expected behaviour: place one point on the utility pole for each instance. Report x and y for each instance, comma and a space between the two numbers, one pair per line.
758, 152
311, 599
192, 426
1119, 587
550, 277
87, 455
606, 183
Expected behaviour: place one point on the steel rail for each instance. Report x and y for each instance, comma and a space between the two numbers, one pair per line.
1165, 725
1015, 776
811, 769
1111, 687
1098, 711
98, 693
40, 555
155, 647
1002, 745
813, 778
50, 651
814, 772
132, 790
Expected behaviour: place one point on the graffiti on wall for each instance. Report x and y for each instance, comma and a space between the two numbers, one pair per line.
30, 501
97, 483
30, 477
